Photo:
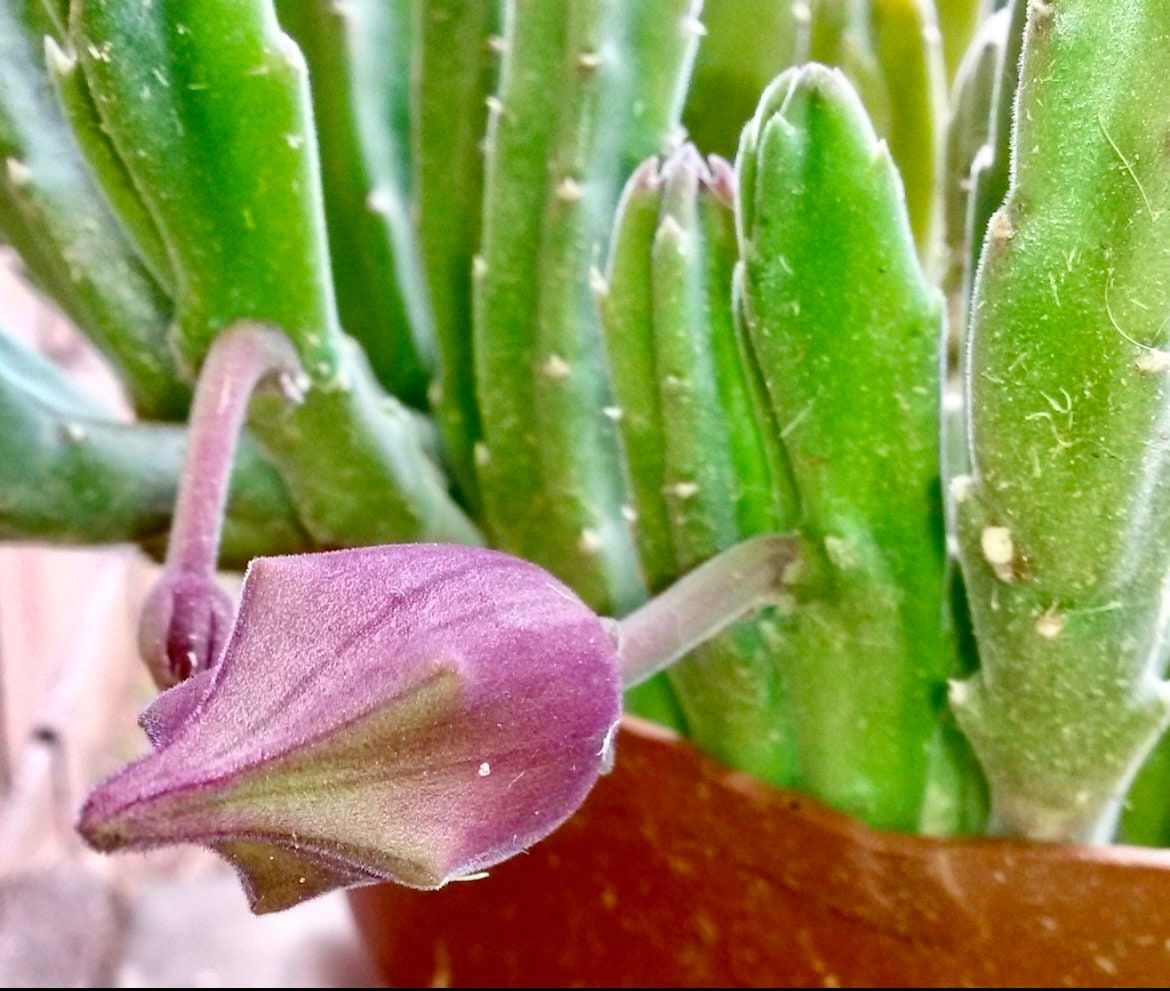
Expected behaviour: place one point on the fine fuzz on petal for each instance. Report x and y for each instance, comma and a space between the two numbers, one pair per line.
409, 713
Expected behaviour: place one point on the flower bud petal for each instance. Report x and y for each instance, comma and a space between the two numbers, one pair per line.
411, 713
170, 710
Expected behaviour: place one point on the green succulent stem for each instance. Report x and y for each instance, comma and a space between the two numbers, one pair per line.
890, 50
987, 182
359, 55
107, 168
588, 88
844, 331
72, 473
971, 145
958, 22
454, 73
216, 129
59, 221
694, 454
746, 44
1061, 517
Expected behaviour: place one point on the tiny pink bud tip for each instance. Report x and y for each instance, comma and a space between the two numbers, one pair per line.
184, 627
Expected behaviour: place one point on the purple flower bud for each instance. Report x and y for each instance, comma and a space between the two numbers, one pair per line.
185, 623
410, 713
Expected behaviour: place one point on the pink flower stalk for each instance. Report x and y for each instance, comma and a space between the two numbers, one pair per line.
187, 617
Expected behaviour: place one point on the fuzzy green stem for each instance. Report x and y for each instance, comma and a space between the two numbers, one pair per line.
844, 329
1062, 518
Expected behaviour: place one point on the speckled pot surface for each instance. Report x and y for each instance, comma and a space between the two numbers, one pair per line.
678, 871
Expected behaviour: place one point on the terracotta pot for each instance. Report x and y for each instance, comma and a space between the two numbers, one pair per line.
679, 872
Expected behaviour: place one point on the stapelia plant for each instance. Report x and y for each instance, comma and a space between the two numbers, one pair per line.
347, 731
890, 390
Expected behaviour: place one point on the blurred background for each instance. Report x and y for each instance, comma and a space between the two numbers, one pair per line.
70, 690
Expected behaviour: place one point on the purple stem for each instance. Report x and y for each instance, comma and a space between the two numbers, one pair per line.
698, 606
240, 357
187, 617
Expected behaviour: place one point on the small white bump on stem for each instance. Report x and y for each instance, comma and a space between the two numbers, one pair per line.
589, 541
555, 367
961, 487
60, 62
569, 190
1153, 362
19, 174
1001, 227
380, 202
1050, 624
73, 433
999, 551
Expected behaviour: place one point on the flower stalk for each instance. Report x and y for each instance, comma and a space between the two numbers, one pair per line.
702, 604
186, 618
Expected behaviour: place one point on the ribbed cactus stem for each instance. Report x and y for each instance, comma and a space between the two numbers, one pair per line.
227, 162
626, 299
453, 73
694, 451
844, 329
359, 56
588, 89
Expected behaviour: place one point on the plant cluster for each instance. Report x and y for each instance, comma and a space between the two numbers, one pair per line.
860, 301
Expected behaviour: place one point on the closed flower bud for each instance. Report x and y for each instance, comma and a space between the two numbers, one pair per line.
185, 624
410, 713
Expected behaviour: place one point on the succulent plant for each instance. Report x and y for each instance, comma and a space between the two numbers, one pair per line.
890, 389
